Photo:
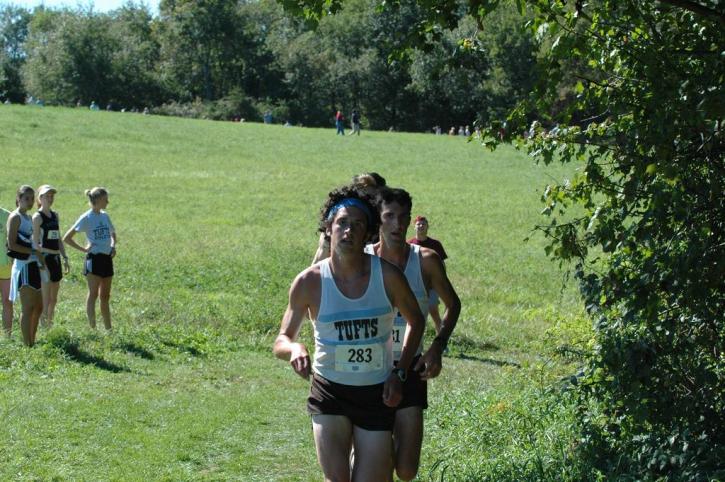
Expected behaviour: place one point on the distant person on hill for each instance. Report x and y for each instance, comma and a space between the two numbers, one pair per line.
94, 106
366, 179
340, 123
100, 251
6, 268
46, 236
355, 122
422, 239
349, 298
25, 277
424, 270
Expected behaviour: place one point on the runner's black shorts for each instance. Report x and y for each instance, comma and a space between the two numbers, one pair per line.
415, 390
363, 406
52, 264
98, 264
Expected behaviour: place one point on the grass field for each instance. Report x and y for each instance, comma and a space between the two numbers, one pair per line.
214, 220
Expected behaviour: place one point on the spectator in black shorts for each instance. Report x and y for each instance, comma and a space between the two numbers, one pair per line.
100, 251
46, 235
25, 277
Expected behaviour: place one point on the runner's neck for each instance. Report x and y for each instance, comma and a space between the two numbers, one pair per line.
396, 255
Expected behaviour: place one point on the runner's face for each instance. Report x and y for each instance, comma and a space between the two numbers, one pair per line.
25, 201
421, 228
101, 202
46, 200
348, 230
395, 220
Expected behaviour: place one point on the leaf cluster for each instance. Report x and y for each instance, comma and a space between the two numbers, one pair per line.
642, 221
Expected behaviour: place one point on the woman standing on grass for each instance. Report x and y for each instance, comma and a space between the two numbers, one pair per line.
25, 276
6, 268
46, 235
100, 251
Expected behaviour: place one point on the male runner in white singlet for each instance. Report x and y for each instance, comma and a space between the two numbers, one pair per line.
424, 271
349, 298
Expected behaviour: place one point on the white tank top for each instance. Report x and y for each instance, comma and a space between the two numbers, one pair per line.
353, 344
414, 274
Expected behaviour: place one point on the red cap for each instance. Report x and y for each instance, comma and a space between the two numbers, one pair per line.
420, 218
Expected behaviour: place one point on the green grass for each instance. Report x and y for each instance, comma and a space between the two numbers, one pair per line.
214, 220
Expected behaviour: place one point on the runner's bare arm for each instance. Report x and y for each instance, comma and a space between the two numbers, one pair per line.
285, 346
68, 239
37, 221
113, 244
401, 296
63, 254
435, 272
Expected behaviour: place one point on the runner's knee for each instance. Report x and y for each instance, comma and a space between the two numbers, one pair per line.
406, 470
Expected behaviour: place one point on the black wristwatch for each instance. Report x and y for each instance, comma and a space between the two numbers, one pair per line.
401, 374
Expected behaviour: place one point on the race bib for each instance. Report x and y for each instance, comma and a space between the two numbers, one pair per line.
398, 335
358, 358
53, 234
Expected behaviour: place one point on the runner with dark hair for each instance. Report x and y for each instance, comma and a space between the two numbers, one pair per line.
424, 271
349, 298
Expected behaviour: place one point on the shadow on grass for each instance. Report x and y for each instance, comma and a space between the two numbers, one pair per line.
183, 347
466, 343
134, 349
490, 361
85, 358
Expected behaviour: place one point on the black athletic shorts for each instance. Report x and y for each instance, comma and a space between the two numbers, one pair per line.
29, 275
55, 270
362, 405
98, 264
415, 390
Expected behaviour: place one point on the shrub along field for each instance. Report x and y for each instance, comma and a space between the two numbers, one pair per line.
214, 220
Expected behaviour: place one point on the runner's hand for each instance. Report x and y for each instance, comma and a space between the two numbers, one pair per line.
300, 361
66, 266
392, 391
429, 365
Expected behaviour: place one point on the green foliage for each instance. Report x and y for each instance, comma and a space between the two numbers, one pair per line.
80, 56
223, 52
13, 33
648, 248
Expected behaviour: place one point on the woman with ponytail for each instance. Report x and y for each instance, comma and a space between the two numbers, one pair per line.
100, 250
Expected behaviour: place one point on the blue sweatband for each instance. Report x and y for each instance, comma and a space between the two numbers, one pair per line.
347, 203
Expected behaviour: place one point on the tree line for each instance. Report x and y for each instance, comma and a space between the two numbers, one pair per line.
225, 59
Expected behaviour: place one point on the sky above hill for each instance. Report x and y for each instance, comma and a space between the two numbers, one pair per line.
98, 5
